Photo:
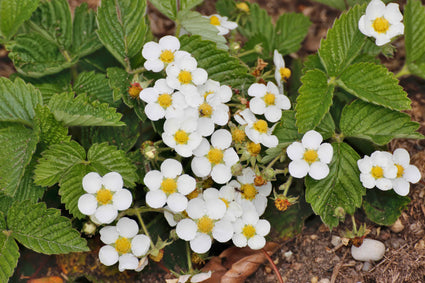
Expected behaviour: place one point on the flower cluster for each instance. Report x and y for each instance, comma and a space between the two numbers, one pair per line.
193, 106
388, 171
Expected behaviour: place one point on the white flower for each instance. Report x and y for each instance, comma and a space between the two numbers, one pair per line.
382, 22
310, 156
184, 75
406, 173
217, 159
228, 195
200, 277
250, 230
105, 196
247, 191
222, 24
268, 101
158, 55
169, 186
204, 223
281, 73
162, 102
257, 130
211, 108
180, 133
377, 170
123, 245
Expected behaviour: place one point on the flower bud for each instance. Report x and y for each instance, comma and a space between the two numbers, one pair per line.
134, 90
149, 150
89, 228
237, 169
242, 6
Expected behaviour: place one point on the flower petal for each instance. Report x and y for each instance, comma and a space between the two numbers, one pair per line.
295, 151
201, 167
108, 234
186, 229
312, 139
412, 174
239, 240
92, 182
318, 170
186, 184
221, 139
201, 243
262, 227
127, 227
106, 213
177, 202
221, 174
222, 231
325, 153
153, 179
170, 168
108, 255
127, 261
140, 245
257, 242
298, 168
257, 90
87, 204
156, 199
113, 181
401, 186
122, 199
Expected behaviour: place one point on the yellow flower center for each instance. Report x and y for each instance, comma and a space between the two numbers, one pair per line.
215, 156
310, 156
214, 20
381, 25
185, 77
269, 99
205, 110
169, 186
134, 90
243, 7
164, 100
104, 196
205, 224
167, 56
248, 231
248, 191
377, 172
123, 245
400, 171
282, 204
238, 135
260, 126
285, 73
181, 137
253, 148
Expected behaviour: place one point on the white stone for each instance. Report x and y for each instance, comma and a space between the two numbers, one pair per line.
336, 240
370, 250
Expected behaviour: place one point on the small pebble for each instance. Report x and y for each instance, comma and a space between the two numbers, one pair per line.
370, 250
366, 266
324, 280
314, 279
267, 269
288, 255
336, 240
397, 227
420, 245
314, 237
318, 259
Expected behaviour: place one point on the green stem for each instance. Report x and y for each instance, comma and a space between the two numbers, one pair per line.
144, 227
189, 258
287, 185
178, 28
273, 161
138, 70
354, 224
246, 53
403, 72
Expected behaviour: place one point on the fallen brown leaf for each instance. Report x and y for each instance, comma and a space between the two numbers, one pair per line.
50, 279
234, 265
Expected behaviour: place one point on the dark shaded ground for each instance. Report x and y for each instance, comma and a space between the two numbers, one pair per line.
314, 258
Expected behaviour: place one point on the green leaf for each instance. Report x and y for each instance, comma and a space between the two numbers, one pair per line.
286, 130
225, 8
17, 101
314, 100
43, 230
340, 189
343, 42
326, 127
218, 63
377, 124
119, 81
384, 207
50, 85
84, 37
313, 62
105, 158
122, 28
94, 85
167, 7
194, 23
9, 253
56, 161
18, 146
375, 84
51, 130
71, 188
27, 190
259, 22
79, 111
35, 56
13, 13
290, 31
189, 4
414, 23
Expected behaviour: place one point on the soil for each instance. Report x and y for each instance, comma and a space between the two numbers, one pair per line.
311, 256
